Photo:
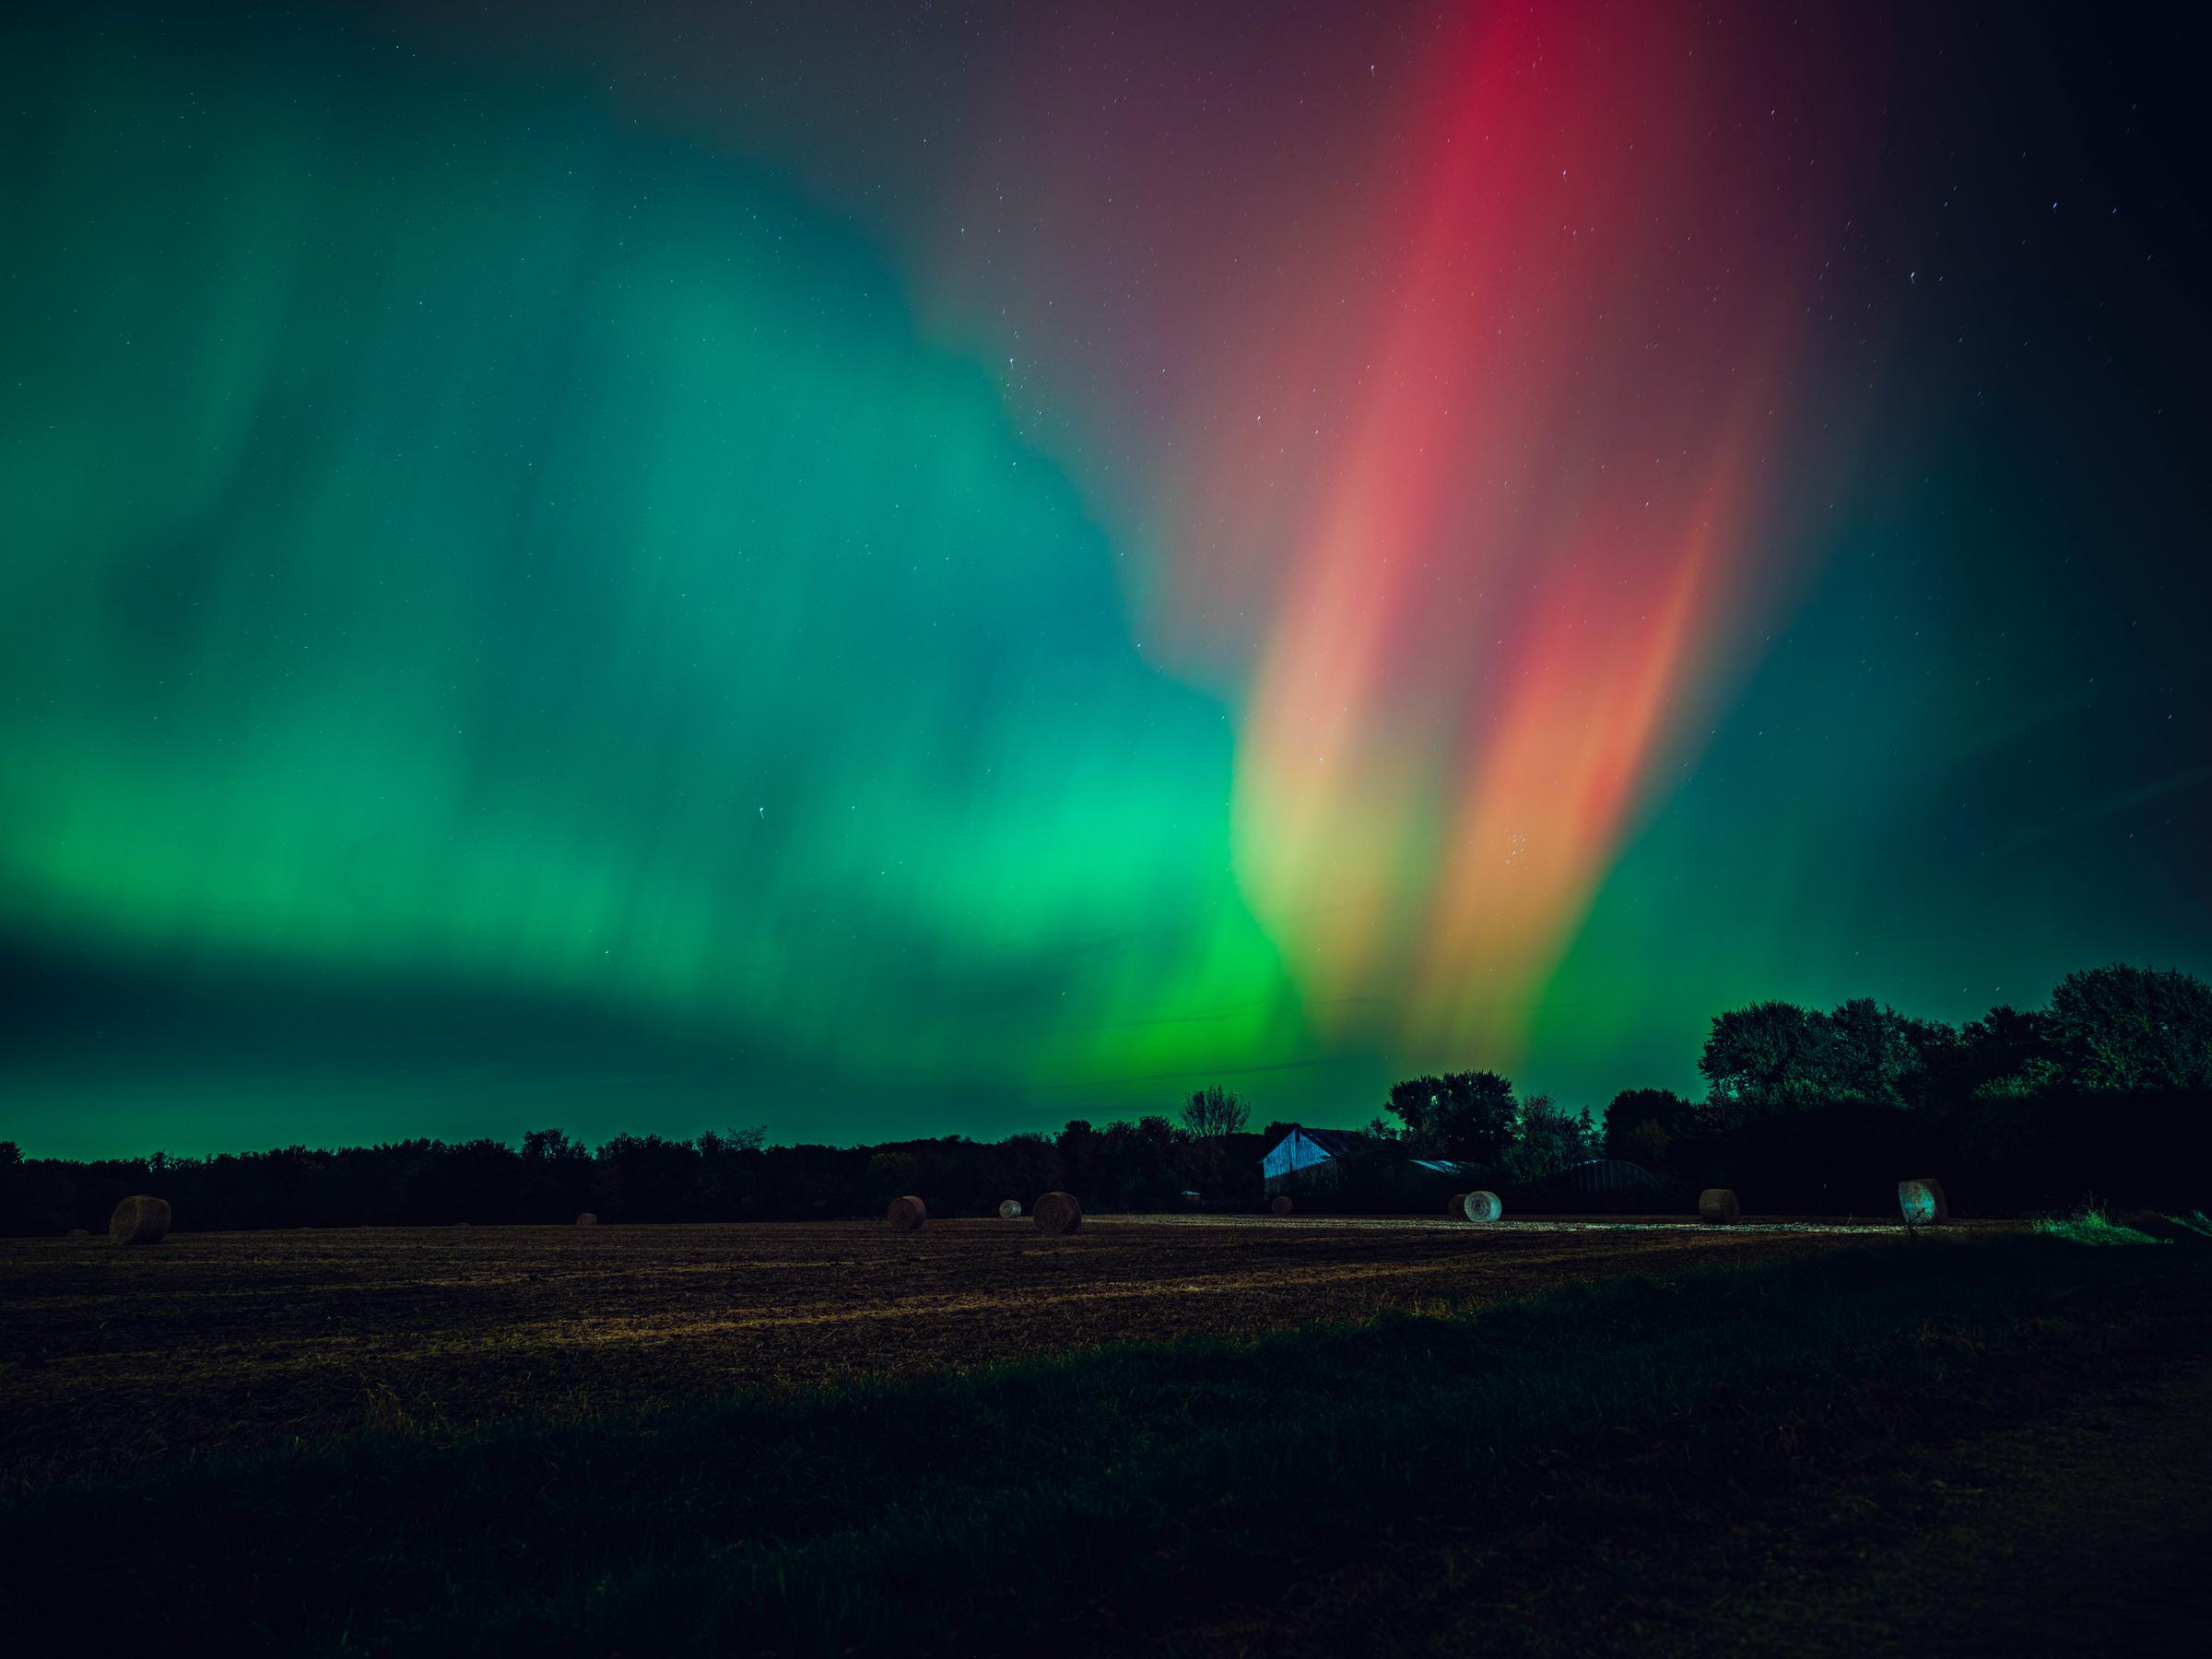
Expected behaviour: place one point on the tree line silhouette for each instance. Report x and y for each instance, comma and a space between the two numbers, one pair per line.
2106, 1092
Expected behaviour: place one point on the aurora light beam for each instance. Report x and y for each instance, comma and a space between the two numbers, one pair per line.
909, 569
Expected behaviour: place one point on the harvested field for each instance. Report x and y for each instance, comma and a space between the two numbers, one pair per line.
227, 1339
1550, 1225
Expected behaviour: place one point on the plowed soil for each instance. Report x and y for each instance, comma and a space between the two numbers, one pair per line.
111, 1356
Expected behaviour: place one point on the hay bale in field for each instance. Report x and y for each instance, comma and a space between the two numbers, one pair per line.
906, 1214
1923, 1203
1481, 1207
1010, 1210
1718, 1206
139, 1221
587, 1219
1455, 1205
1058, 1213
1281, 1205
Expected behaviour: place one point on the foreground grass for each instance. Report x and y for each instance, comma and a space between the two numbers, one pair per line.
987, 1510
2093, 1224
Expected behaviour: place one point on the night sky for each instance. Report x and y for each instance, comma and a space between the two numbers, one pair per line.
941, 568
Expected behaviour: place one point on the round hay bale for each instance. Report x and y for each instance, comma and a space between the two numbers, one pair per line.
1282, 1205
1481, 1207
1058, 1213
906, 1214
1718, 1206
1454, 1206
1922, 1202
139, 1221
1010, 1210
587, 1219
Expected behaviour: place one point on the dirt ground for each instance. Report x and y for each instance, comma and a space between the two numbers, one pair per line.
111, 1356
2042, 1495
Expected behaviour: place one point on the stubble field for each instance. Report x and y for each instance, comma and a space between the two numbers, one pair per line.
225, 1341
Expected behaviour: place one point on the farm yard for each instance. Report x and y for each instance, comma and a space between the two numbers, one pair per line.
227, 1340
1813, 1437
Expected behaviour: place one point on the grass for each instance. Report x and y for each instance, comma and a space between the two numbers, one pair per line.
2092, 1223
991, 1510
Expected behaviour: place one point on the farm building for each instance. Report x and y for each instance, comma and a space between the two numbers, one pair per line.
1598, 1186
1358, 1169
1310, 1160
1425, 1182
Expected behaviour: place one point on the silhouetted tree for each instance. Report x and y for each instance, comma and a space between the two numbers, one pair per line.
481, 1181
1546, 1140
728, 1185
1876, 1056
1763, 1060
1022, 1166
36, 1195
1775, 1058
2133, 1028
556, 1178
643, 1178
1078, 1144
1468, 1115
1213, 1114
2006, 1053
1640, 1124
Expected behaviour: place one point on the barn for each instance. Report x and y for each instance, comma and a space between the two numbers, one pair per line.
1312, 1160
1355, 1168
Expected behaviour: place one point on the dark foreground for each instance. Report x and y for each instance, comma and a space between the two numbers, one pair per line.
226, 1341
1958, 1445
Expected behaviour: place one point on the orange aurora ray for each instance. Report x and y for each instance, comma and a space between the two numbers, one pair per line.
1495, 593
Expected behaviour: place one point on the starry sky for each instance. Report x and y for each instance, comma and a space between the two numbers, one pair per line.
904, 568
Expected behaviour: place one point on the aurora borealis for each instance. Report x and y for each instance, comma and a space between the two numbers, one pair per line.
928, 569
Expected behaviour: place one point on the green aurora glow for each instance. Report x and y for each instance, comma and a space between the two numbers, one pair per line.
508, 619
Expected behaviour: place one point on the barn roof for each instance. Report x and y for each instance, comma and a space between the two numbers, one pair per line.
1336, 1143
